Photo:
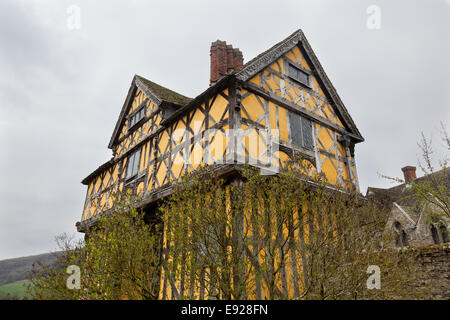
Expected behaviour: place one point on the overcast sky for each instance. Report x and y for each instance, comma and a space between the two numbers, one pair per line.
61, 89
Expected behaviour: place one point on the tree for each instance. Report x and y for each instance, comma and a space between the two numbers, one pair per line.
432, 191
250, 236
119, 261
278, 237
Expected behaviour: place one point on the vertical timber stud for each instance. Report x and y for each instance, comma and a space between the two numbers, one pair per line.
255, 242
234, 104
345, 141
237, 118
155, 142
352, 154
225, 274
238, 259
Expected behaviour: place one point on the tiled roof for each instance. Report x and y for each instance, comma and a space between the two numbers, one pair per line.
163, 93
403, 194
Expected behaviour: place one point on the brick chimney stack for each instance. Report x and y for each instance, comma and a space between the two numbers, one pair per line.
224, 59
409, 173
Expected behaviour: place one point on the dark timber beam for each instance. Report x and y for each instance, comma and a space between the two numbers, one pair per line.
297, 109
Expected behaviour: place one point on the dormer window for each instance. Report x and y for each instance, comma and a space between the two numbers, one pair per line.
133, 164
298, 75
136, 117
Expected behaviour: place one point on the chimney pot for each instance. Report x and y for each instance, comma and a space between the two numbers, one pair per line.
409, 173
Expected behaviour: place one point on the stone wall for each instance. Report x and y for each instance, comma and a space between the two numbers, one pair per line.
435, 260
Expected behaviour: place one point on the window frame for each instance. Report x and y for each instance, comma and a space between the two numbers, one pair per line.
134, 174
134, 115
301, 122
293, 65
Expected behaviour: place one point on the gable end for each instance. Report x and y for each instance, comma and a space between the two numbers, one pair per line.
263, 60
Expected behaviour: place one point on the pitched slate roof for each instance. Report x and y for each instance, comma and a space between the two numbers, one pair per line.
403, 194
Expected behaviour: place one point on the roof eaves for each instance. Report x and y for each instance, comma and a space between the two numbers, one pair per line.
122, 113
93, 174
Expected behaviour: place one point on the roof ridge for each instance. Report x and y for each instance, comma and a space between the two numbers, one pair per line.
442, 171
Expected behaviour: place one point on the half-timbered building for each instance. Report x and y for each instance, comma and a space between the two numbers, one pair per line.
274, 107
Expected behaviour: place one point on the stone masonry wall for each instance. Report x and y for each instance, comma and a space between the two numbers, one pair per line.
435, 260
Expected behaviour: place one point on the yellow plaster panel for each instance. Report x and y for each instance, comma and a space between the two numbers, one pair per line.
125, 163
272, 84
325, 139
282, 116
161, 174
254, 144
197, 122
329, 170
90, 188
282, 158
97, 184
140, 188
163, 141
278, 66
256, 79
196, 156
178, 133
177, 165
273, 116
253, 107
218, 145
218, 108
115, 173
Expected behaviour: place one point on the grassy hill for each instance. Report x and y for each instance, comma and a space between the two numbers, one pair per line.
15, 290
13, 270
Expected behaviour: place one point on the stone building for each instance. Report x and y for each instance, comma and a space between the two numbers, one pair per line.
408, 220
412, 228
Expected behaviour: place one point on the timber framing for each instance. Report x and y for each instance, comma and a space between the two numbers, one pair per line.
168, 110
225, 172
149, 88
298, 39
222, 84
295, 108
